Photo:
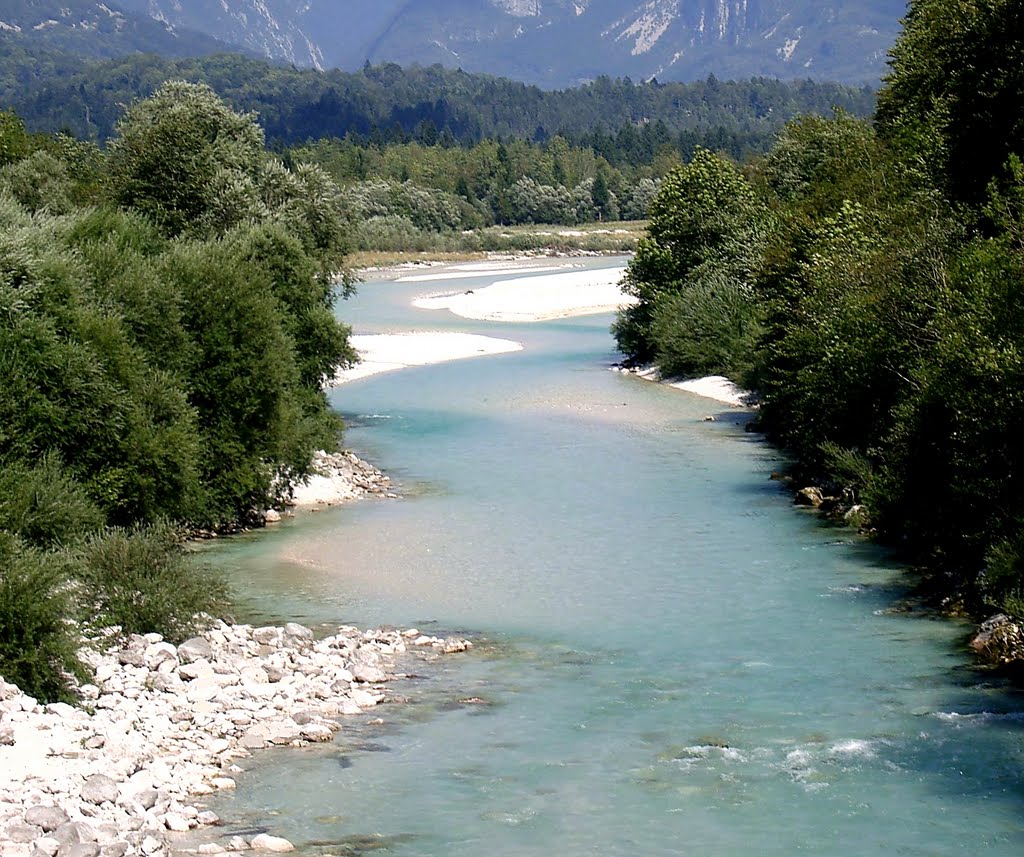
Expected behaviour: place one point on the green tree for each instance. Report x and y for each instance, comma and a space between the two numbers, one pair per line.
955, 96
705, 218
187, 161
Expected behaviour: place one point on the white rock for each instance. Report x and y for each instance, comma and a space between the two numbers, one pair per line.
159, 653
368, 674
175, 822
300, 632
194, 649
266, 842
315, 732
99, 789
151, 845
202, 689
47, 846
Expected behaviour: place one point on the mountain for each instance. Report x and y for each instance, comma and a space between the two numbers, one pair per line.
557, 43
99, 30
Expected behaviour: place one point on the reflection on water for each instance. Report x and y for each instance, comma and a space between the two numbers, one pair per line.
670, 659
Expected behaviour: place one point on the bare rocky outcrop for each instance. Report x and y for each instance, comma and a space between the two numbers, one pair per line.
164, 725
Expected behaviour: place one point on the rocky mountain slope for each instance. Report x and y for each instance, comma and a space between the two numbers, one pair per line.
560, 42
96, 29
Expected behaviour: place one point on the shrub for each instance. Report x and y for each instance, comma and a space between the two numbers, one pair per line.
44, 506
38, 644
143, 580
708, 329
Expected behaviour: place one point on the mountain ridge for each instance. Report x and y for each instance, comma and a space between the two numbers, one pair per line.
559, 43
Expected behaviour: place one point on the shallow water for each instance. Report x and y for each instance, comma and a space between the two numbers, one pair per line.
672, 658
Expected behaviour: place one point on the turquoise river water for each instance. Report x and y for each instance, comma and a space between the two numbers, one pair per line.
673, 659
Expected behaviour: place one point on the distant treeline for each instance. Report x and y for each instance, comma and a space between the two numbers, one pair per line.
868, 280
385, 104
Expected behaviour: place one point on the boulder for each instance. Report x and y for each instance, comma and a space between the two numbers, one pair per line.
159, 653
315, 732
175, 822
266, 636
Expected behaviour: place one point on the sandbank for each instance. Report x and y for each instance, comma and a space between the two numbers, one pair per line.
716, 387
385, 352
465, 272
540, 298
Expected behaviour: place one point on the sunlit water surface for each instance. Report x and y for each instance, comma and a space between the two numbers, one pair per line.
673, 659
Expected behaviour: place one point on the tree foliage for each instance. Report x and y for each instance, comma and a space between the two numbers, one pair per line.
955, 95
164, 350
885, 275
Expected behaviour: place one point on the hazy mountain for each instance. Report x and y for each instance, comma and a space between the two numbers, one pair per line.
560, 42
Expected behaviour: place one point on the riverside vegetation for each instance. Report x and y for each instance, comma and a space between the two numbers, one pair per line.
866, 279
166, 329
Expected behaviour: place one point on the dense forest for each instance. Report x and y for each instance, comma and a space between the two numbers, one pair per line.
428, 154
166, 330
53, 91
866, 279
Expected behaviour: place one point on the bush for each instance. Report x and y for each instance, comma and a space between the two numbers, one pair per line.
143, 580
44, 506
709, 329
1002, 582
38, 644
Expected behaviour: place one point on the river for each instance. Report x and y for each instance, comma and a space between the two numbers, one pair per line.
671, 658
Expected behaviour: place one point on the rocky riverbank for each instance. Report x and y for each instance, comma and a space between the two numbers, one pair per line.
337, 477
162, 725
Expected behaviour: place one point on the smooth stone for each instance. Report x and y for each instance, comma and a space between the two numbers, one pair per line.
202, 690
150, 845
20, 832
159, 653
147, 798
47, 817
301, 632
368, 674
194, 649
98, 789
266, 635
80, 849
315, 732
46, 845
266, 842
173, 821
